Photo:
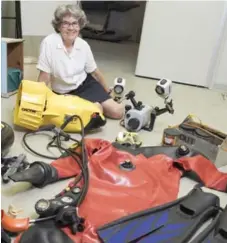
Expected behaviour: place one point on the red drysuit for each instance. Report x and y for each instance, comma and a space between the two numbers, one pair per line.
114, 193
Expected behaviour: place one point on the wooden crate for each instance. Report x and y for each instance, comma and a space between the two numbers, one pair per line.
12, 56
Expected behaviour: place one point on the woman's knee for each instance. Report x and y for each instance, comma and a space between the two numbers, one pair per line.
116, 111
119, 111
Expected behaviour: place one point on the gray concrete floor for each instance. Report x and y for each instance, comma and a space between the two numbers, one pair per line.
118, 60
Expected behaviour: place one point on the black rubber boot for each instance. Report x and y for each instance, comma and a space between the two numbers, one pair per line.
45, 232
39, 174
5, 237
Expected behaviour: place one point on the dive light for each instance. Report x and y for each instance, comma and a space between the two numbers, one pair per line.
163, 88
119, 88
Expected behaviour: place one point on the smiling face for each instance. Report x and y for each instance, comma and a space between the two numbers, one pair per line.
69, 28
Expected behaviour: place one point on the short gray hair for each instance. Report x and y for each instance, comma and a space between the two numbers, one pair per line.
73, 10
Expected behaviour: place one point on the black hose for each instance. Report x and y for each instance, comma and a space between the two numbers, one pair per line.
84, 158
32, 150
82, 161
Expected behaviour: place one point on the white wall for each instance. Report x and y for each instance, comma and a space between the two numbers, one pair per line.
221, 76
220, 71
178, 39
37, 15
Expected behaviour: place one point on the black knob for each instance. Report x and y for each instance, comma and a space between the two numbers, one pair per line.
80, 228
130, 95
127, 165
183, 150
133, 123
128, 107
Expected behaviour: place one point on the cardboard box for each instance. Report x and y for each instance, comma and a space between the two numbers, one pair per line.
12, 58
210, 142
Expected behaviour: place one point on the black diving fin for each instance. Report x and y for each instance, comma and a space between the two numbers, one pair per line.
216, 232
174, 222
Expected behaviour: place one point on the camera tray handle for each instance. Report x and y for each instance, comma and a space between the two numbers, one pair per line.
157, 112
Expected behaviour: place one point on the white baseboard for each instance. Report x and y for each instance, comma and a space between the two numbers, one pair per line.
30, 60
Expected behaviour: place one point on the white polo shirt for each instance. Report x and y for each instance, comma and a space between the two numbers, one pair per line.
68, 70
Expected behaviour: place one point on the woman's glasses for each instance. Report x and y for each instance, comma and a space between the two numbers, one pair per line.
66, 24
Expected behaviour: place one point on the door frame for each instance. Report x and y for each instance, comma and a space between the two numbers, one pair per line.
217, 51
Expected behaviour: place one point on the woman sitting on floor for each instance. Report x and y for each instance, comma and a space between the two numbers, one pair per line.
66, 62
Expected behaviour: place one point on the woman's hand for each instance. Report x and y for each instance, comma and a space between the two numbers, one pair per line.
44, 77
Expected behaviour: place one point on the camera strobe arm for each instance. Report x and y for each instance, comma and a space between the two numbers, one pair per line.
130, 96
157, 112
